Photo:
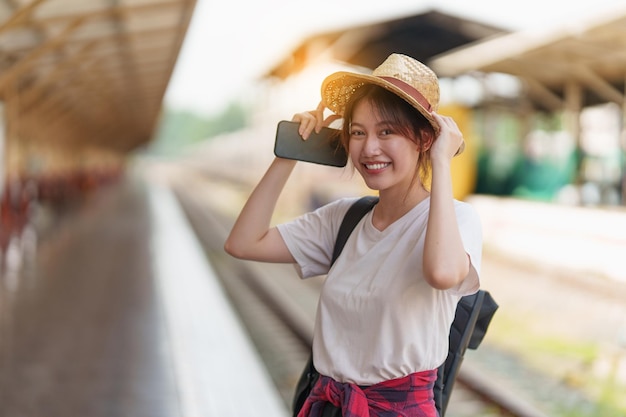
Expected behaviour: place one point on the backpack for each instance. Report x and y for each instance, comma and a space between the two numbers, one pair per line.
472, 317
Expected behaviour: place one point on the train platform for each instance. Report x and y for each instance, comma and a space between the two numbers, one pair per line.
116, 312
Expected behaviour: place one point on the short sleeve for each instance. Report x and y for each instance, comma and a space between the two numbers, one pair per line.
311, 237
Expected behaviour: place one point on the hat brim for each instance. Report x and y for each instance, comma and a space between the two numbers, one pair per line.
337, 89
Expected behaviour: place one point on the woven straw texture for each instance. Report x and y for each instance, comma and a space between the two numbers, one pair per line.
337, 88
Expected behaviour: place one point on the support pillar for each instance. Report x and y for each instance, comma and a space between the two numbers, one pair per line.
573, 108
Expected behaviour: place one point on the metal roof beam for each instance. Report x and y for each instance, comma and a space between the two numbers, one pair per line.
598, 84
112, 11
21, 16
23, 65
36, 90
548, 98
94, 77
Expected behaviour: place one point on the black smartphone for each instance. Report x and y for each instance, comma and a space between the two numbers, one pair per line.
322, 148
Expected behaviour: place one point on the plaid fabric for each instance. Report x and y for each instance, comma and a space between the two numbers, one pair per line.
410, 396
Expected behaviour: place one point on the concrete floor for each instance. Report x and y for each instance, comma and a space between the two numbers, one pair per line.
102, 319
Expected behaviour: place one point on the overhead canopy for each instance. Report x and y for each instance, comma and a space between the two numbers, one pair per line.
77, 72
420, 36
585, 57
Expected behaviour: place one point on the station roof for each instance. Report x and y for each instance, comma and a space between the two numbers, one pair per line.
94, 72
420, 36
589, 53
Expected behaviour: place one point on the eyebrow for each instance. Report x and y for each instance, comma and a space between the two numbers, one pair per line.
383, 123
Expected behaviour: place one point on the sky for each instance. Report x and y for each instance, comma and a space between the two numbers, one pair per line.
230, 43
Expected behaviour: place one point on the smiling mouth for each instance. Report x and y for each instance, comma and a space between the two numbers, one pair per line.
377, 166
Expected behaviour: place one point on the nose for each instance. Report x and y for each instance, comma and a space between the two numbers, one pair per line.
371, 145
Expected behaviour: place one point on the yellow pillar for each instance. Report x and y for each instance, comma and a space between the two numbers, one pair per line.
464, 169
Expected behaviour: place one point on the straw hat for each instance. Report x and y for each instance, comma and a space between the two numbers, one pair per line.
400, 74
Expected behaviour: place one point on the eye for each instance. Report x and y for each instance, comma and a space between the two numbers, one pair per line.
386, 129
356, 133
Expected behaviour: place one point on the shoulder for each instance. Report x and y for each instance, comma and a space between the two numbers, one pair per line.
339, 205
336, 209
327, 216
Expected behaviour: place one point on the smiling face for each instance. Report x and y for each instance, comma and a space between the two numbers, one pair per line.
382, 155
387, 140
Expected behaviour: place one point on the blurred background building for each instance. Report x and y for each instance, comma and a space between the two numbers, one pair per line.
82, 86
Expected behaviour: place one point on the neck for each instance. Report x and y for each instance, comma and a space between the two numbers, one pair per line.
393, 205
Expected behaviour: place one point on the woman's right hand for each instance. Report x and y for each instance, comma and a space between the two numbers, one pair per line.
313, 120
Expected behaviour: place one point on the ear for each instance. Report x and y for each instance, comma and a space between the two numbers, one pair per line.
426, 140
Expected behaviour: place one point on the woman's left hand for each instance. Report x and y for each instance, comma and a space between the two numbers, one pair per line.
450, 141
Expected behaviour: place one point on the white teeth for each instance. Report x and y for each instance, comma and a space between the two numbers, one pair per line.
375, 166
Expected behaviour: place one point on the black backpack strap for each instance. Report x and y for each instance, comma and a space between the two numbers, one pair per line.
471, 319
353, 216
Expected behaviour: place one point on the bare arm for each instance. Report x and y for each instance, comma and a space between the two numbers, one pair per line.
252, 237
446, 263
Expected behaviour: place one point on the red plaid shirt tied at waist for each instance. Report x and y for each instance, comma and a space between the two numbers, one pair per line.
410, 396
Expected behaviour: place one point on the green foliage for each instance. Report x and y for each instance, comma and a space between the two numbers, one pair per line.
181, 128
533, 165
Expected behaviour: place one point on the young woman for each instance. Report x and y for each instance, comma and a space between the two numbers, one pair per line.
387, 303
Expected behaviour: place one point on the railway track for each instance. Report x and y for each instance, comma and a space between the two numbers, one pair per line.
278, 311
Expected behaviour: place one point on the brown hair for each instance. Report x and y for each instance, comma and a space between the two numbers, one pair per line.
408, 121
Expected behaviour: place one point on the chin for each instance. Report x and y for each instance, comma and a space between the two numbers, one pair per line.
375, 185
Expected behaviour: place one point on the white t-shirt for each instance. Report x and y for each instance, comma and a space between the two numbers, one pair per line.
377, 318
